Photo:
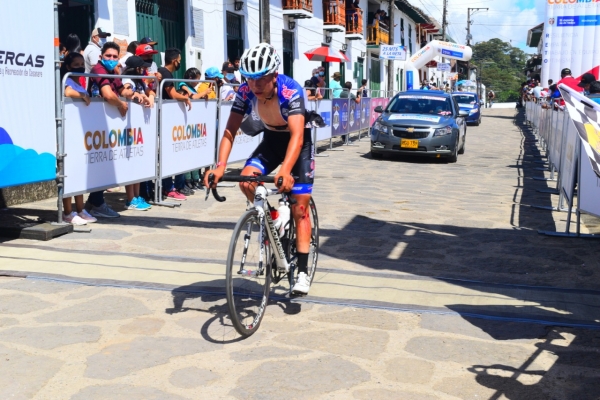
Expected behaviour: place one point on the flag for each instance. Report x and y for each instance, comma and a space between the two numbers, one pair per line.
585, 115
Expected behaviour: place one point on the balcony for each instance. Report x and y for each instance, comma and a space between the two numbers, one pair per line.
298, 8
377, 34
334, 16
354, 25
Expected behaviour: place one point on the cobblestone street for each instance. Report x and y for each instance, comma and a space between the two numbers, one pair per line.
432, 283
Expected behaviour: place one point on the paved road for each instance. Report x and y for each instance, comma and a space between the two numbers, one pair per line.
426, 269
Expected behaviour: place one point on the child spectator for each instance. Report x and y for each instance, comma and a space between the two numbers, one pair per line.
311, 93
75, 63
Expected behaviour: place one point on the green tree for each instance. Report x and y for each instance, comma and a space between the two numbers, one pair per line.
500, 67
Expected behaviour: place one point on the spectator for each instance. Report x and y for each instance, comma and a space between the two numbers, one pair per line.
137, 67
148, 41
110, 89
353, 11
236, 66
73, 44
188, 87
348, 94
92, 52
227, 93
146, 52
192, 178
173, 190
363, 90
336, 85
311, 92
75, 63
537, 90
131, 48
586, 80
208, 90
550, 81
490, 97
594, 92
62, 50
568, 80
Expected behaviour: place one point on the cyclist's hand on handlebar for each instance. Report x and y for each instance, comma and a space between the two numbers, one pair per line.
288, 181
217, 174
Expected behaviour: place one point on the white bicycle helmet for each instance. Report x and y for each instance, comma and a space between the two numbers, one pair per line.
259, 61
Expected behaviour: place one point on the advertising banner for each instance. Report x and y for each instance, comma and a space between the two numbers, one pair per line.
569, 29
569, 161
375, 101
243, 145
353, 116
365, 113
27, 104
339, 117
556, 138
392, 52
589, 189
188, 138
106, 150
443, 67
323, 107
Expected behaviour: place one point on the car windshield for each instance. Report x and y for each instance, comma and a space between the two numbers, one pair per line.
409, 104
465, 99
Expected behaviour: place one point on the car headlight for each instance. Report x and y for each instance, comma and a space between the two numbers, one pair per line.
473, 111
381, 128
447, 130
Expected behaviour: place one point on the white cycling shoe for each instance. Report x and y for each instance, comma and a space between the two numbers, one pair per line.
302, 285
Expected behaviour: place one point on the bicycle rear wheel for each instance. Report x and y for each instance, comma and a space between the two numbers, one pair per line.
313, 254
248, 273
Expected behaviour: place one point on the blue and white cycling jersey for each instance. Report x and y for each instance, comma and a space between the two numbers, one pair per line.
289, 93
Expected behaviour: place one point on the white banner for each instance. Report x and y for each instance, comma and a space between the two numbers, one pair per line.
589, 188
392, 52
556, 141
27, 124
323, 107
187, 139
443, 67
106, 150
570, 29
243, 145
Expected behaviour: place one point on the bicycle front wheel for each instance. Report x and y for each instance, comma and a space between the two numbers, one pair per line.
248, 273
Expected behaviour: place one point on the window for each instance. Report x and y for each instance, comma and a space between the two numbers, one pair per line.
235, 36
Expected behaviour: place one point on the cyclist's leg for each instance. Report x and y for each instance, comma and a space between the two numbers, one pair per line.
304, 171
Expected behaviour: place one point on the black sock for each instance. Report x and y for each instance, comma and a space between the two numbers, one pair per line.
302, 262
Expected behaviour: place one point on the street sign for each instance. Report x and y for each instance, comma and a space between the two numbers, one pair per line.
392, 52
443, 67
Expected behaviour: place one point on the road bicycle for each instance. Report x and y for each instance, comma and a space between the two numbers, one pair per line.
261, 252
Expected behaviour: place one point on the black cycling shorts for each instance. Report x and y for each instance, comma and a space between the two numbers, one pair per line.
271, 152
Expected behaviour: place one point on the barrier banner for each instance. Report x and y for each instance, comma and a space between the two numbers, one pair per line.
353, 116
106, 150
188, 138
556, 140
375, 101
27, 98
569, 27
569, 161
589, 189
365, 113
243, 145
323, 107
339, 117
585, 115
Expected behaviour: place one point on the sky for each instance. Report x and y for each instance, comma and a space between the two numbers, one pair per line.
508, 20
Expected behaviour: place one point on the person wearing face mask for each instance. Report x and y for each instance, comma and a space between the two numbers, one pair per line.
74, 63
227, 93
174, 190
91, 54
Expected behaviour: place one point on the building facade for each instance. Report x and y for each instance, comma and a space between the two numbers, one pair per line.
210, 32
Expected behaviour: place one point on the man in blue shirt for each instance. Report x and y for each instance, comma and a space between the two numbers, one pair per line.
336, 85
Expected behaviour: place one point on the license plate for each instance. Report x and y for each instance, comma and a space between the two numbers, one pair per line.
409, 144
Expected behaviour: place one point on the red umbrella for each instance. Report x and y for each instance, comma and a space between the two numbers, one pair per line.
326, 54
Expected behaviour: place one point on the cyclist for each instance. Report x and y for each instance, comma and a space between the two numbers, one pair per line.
278, 101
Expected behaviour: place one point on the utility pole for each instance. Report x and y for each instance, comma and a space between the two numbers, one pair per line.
390, 68
469, 37
444, 23
265, 21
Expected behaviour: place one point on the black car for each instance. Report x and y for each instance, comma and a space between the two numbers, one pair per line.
420, 122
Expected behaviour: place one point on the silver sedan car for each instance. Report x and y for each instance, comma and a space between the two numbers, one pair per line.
420, 122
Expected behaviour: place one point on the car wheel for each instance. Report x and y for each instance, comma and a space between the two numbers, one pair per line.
376, 156
454, 157
477, 122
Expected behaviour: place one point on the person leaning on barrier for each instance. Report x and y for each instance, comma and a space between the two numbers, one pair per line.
137, 66
226, 91
75, 63
594, 90
347, 94
208, 90
311, 92
363, 90
187, 88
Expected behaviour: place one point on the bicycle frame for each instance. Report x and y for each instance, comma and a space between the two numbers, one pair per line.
261, 204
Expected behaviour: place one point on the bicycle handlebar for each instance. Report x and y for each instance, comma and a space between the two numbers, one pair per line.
240, 178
